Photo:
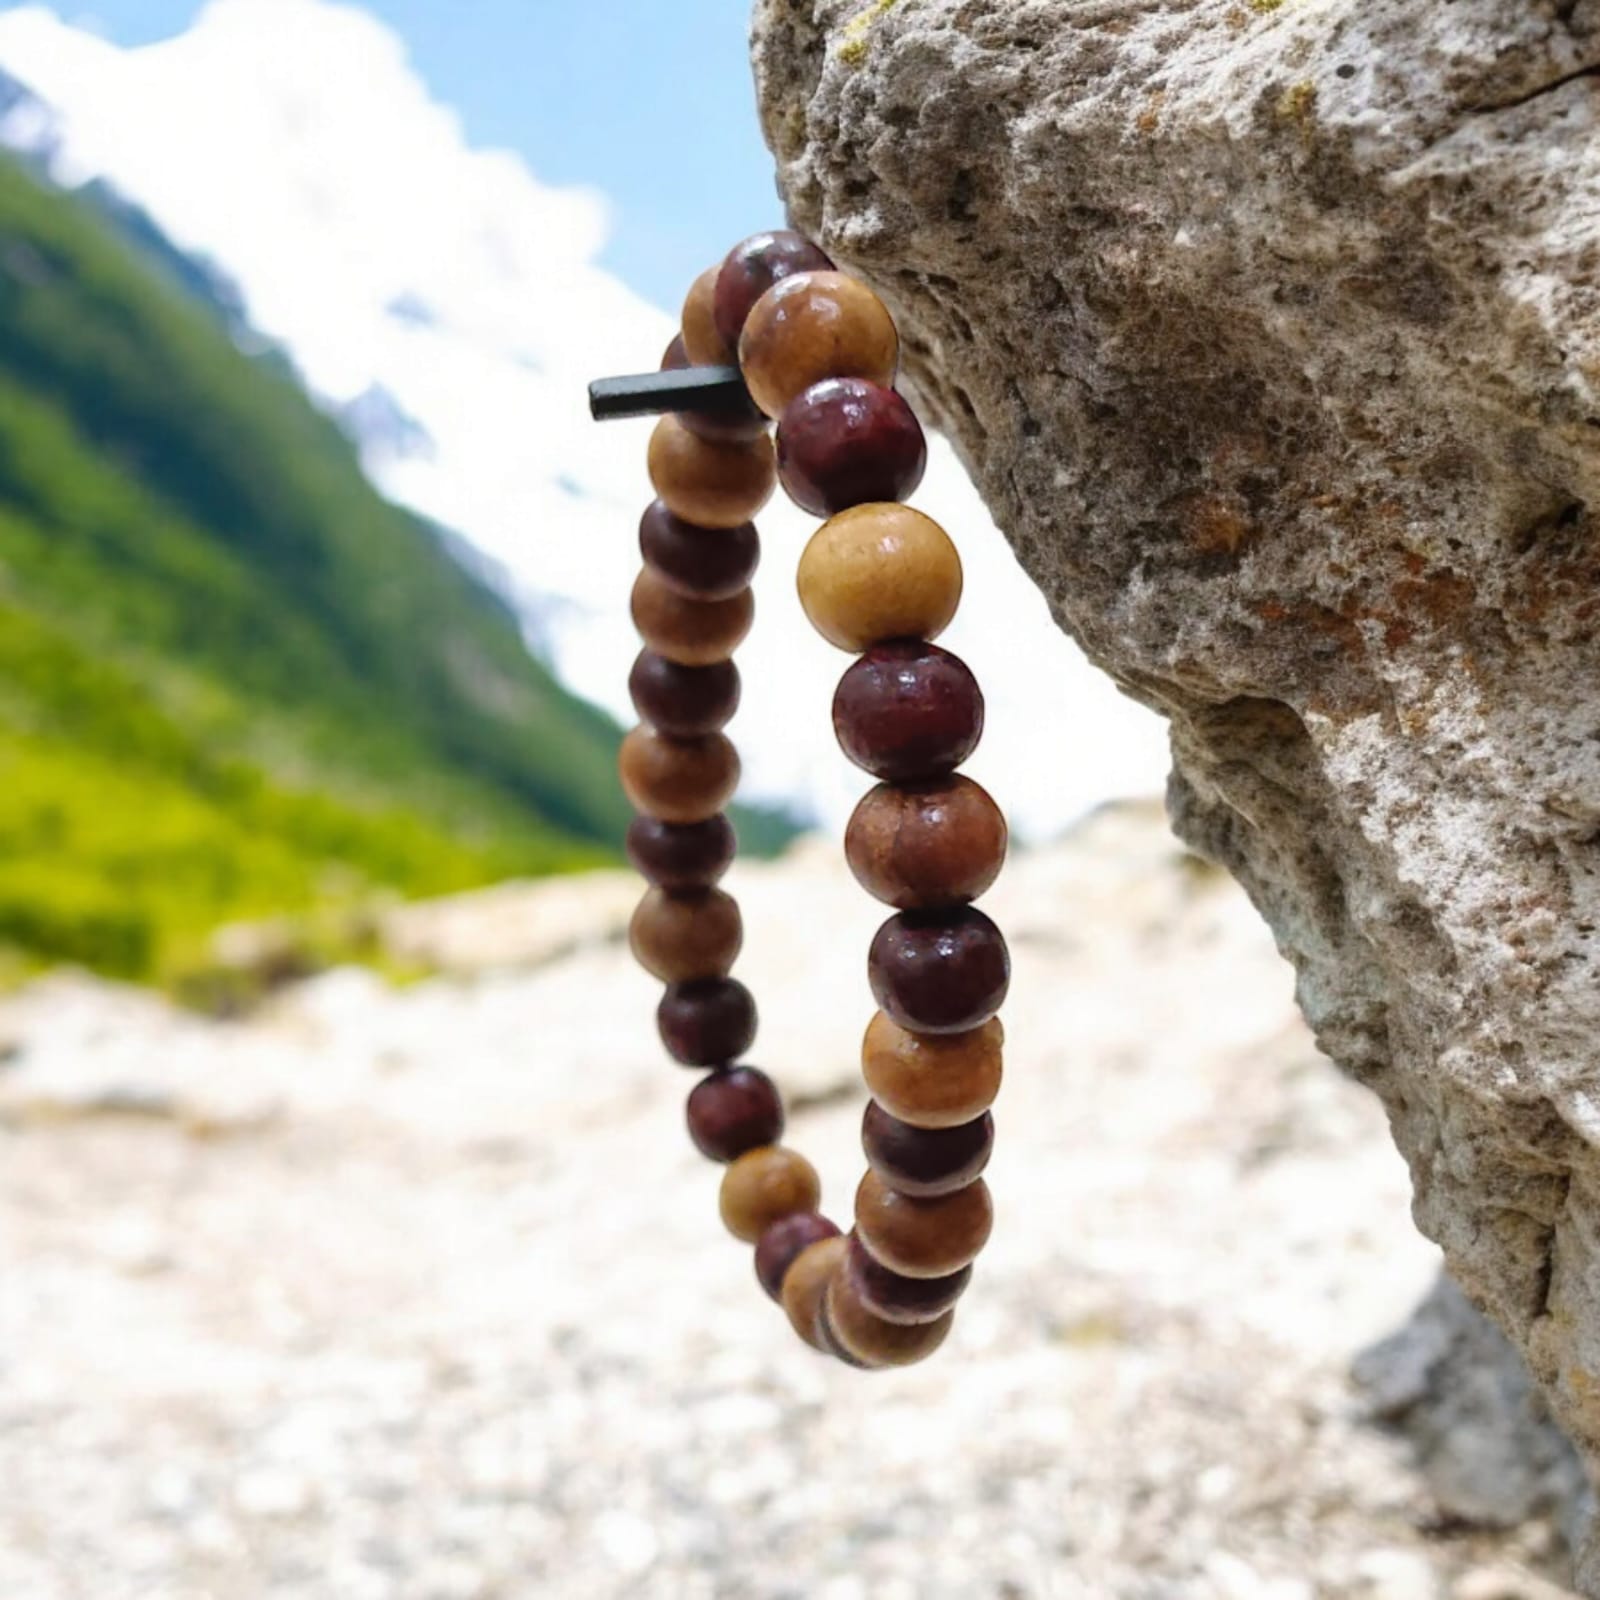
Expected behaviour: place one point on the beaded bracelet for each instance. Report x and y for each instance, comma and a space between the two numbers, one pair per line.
817, 351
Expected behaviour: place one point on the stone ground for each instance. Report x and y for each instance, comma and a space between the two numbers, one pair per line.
422, 1294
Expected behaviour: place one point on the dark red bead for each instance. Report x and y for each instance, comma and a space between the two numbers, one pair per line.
939, 971
898, 1299
925, 1162
752, 267
735, 427
703, 563
732, 1111
682, 855
908, 709
683, 702
707, 1022
847, 442
782, 1241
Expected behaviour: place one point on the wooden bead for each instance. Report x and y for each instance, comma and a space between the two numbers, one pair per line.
908, 710
752, 267
923, 1238
782, 1241
805, 1283
896, 1298
677, 780
676, 935
873, 1341
733, 426
932, 1080
706, 1022
711, 483
702, 563
925, 1162
692, 855
936, 843
703, 345
811, 326
683, 702
733, 1110
878, 572
848, 442
941, 971
692, 633
828, 1340
763, 1185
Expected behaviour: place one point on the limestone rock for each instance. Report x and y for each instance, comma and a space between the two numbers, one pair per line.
1270, 331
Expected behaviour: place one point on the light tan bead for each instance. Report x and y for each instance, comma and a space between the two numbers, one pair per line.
677, 780
703, 345
932, 1080
805, 1283
923, 1238
810, 326
709, 482
871, 1340
682, 935
764, 1184
694, 633
879, 571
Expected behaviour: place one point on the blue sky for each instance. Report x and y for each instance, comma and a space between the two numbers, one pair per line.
648, 100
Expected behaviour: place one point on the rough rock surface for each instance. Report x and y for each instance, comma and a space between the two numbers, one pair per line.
456, 1320
1270, 330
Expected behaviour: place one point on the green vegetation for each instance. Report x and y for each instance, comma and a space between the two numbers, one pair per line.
234, 683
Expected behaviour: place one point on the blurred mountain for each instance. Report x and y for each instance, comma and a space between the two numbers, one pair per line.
449, 306
234, 681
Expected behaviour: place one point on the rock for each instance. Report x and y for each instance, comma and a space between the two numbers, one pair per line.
1504, 1583
512, 924
1455, 1387
85, 1050
1271, 334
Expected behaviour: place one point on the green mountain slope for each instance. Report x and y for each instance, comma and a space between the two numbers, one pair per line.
233, 681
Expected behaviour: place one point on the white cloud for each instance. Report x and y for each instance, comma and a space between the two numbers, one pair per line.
292, 142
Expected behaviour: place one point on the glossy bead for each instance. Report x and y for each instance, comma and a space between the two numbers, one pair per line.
871, 1339
894, 1297
908, 710
707, 1022
745, 422
932, 1080
923, 1238
702, 344
941, 971
692, 855
879, 572
710, 482
732, 1111
925, 1162
845, 442
752, 267
702, 563
680, 934
805, 1283
935, 843
782, 1241
693, 633
683, 702
811, 326
763, 1185
677, 780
